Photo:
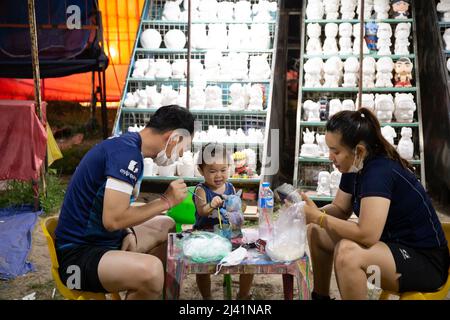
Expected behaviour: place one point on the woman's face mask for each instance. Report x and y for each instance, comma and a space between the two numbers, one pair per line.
357, 164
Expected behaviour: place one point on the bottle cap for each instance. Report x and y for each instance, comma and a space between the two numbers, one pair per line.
266, 184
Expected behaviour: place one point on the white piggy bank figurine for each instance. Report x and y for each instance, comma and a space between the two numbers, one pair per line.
405, 146
384, 107
404, 107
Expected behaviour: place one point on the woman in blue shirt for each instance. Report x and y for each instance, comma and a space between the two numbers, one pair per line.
398, 239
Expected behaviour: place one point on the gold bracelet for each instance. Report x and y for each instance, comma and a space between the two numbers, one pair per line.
321, 218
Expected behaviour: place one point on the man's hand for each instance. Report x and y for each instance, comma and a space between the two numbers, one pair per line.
176, 192
216, 202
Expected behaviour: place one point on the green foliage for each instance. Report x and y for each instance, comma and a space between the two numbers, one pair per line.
18, 193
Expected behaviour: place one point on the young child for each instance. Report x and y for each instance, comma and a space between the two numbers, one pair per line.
214, 165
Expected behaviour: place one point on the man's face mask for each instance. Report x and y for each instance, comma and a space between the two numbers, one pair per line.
182, 143
356, 167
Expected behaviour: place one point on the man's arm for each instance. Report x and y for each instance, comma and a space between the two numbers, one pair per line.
118, 214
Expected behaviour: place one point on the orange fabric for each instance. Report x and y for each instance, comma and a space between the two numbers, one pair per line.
120, 26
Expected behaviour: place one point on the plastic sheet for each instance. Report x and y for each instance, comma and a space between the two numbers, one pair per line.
204, 247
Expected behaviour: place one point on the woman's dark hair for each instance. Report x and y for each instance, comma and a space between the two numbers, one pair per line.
362, 126
171, 117
211, 152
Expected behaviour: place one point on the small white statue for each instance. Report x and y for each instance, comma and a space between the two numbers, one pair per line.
389, 134
368, 7
262, 11
335, 106
351, 67
199, 38
324, 151
385, 66
154, 98
446, 37
186, 166
130, 100
225, 11
141, 96
348, 9
217, 36
207, 9
369, 65
182, 94
384, 107
402, 33
345, 40
213, 97
443, 7
323, 184
331, 9
330, 43
169, 96
357, 42
311, 111
405, 145
163, 69
151, 39
148, 167
367, 101
212, 64
314, 46
197, 97
404, 107
242, 11
256, 98
237, 98
313, 73
175, 39
381, 8
348, 105
179, 68
314, 10
197, 69
309, 148
332, 72
238, 36
259, 67
225, 64
239, 65
335, 180
384, 35
171, 11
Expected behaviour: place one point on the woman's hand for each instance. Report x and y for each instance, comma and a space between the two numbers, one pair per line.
312, 213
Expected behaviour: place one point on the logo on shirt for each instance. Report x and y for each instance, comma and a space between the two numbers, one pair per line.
404, 254
132, 166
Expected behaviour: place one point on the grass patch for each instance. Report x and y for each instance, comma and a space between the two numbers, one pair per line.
18, 193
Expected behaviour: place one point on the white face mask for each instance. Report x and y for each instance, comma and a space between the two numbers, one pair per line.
162, 159
356, 168
232, 259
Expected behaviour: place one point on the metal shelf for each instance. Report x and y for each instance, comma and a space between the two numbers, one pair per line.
326, 160
194, 51
206, 112
392, 124
181, 23
184, 81
355, 90
345, 56
324, 21
200, 179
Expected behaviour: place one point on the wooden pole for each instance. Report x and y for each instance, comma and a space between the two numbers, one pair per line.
36, 76
188, 75
361, 52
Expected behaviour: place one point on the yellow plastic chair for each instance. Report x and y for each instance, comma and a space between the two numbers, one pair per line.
48, 227
438, 295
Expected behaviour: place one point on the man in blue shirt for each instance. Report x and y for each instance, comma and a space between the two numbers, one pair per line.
98, 249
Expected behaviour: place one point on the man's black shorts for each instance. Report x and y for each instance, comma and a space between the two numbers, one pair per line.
423, 270
87, 259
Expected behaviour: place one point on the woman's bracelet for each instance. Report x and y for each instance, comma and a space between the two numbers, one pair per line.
322, 215
169, 205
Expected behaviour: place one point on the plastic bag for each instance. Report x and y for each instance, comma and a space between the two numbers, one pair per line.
201, 247
287, 242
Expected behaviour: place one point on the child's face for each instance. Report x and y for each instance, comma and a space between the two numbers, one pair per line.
216, 174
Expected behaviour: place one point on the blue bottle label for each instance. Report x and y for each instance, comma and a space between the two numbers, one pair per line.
266, 203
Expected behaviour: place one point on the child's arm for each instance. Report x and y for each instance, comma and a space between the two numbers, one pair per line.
204, 208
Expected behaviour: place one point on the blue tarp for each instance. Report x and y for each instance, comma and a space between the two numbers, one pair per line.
16, 228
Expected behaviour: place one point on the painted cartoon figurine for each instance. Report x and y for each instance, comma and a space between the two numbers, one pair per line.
403, 73
232, 209
242, 170
371, 35
400, 9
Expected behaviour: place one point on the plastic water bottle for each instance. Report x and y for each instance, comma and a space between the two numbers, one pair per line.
265, 209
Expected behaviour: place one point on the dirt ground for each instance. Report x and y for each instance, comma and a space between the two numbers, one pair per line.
267, 287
